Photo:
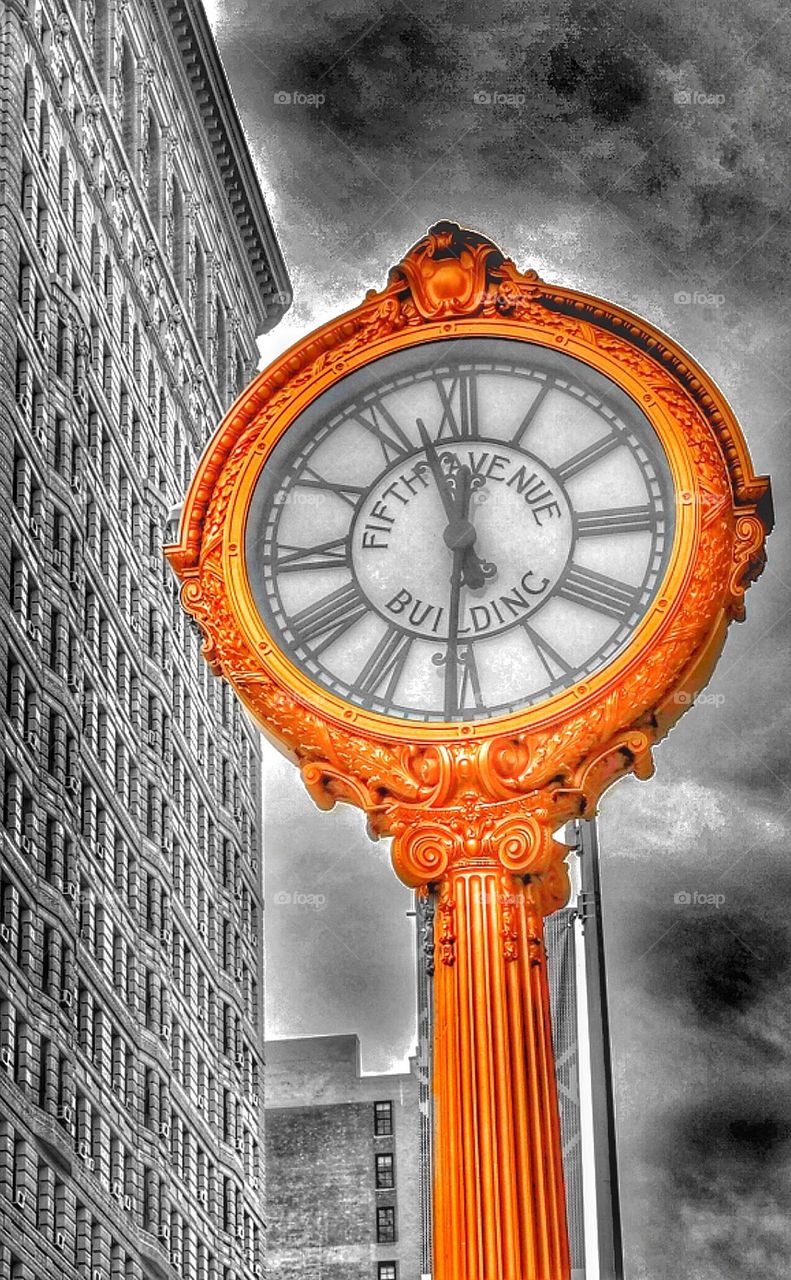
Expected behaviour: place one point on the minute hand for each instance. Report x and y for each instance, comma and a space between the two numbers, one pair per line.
474, 572
440, 479
459, 537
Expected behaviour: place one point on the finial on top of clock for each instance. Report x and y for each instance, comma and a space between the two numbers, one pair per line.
455, 271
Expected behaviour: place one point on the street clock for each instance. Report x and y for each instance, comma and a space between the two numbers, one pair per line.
466, 553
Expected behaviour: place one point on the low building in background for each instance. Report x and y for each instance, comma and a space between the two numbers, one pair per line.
343, 1160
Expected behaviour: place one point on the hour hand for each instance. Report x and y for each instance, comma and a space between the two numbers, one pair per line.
455, 496
461, 533
472, 571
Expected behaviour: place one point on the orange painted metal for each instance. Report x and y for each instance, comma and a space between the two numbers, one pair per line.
499, 1201
473, 809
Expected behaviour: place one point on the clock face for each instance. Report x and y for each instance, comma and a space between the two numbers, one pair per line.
460, 530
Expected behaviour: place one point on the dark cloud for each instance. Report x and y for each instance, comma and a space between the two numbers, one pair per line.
748, 1136
722, 960
723, 1184
610, 83
676, 117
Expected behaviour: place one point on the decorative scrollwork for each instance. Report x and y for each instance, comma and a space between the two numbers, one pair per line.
749, 559
484, 794
447, 271
521, 843
421, 854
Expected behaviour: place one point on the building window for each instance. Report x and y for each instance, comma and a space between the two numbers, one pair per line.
128, 80
124, 324
385, 1225
387, 1271
77, 220
98, 32
177, 208
383, 1119
200, 292
63, 180
385, 1178
29, 101
154, 170
43, 133
221, 350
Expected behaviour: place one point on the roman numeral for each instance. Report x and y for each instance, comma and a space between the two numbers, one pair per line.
385, 666
310, 479
553, 664
462, 662
329, 618
587, 457
391, 436
470, 679
531, 413
595, 591
594, 524
464, 425
325, 555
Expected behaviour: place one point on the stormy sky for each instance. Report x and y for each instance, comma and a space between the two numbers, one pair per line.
639, 152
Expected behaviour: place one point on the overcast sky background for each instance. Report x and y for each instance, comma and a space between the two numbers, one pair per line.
648, 159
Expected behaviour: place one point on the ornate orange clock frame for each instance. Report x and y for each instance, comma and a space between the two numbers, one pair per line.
473, 809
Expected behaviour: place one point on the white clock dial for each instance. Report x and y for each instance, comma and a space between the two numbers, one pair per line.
460, 530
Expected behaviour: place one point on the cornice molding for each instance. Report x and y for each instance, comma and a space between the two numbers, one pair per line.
215, 104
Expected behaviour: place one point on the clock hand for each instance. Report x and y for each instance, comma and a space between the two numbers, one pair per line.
461, 533
459, 536
440, 479
475, 571
452, 656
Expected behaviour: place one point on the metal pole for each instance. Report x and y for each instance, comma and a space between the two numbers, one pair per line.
608, 1208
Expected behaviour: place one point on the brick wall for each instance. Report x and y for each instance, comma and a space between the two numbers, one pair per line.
321, 1149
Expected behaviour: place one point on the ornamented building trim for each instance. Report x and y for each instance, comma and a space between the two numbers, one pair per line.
214, 101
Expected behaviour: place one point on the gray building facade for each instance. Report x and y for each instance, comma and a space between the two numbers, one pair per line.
343, 1156
137, 266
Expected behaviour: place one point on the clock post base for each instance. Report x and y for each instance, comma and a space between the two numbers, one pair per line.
499, 1201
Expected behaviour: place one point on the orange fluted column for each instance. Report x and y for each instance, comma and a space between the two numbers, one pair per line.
499, 1202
